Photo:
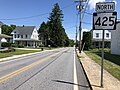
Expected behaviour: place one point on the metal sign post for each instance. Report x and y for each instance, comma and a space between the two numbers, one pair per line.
102, 62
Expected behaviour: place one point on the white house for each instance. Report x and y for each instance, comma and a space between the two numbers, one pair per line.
97, 38
2, 36
115, 41
26, 35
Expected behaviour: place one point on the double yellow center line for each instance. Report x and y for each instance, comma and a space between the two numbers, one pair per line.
14, 73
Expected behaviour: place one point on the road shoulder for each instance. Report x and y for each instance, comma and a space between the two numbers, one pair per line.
93, 72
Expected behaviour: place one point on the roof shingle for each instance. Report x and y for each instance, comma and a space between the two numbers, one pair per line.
22, 30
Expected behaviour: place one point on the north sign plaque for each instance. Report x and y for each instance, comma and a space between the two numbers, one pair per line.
105, 7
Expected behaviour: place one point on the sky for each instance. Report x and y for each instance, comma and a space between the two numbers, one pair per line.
34, 12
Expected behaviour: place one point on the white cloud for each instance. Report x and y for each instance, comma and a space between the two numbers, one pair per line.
92, 3
115, 1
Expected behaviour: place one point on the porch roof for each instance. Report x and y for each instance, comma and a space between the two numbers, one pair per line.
5, 36
28, 40
100, 40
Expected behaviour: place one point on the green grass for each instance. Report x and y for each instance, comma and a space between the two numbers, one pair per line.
111, 62
17, 52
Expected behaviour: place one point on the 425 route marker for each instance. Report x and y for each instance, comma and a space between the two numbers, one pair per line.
104, 21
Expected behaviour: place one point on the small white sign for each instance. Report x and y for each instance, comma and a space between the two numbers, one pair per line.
105, 6
104, 21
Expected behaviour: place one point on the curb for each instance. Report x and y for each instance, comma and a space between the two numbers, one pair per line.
85, 73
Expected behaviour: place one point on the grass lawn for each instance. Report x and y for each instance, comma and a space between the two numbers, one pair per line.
111, 62
17, 52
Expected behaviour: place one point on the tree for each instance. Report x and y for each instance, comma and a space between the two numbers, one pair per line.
13, 26
71, 42
53, 31
7, 29
56, 28
87, 40
44, 33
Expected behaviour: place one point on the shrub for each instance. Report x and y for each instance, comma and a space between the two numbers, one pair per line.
20, 46
5, 44
41, 45
14, 45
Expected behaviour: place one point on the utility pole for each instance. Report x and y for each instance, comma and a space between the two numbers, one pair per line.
80, 7
80, 27
76, 37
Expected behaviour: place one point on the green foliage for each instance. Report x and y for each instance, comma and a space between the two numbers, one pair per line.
71, 42
56, 29
7, 29
20, 46
41, 45
87, 40
17, 52
14, 45
43, 32
53, 32
5, 44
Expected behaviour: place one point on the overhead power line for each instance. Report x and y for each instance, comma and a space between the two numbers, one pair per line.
85, 9
77, 19
68, 6
87, 23
70, 27
88, 13
27, 17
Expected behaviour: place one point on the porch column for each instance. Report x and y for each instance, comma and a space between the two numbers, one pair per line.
0, 42
27, 43
34, 44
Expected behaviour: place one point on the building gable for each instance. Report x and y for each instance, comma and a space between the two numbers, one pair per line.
23, 30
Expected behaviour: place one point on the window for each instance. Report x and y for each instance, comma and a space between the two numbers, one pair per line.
26, 35
21, 36
18, 36
97, 34
107, 35
15, 36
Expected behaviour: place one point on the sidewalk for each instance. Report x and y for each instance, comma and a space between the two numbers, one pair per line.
93, 71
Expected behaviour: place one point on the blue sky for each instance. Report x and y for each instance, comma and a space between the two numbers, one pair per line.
40, 9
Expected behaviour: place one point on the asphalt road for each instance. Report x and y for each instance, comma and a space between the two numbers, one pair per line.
50, 70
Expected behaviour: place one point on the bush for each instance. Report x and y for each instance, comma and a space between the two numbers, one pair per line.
20, 46
5, 44
41, 45
14, 45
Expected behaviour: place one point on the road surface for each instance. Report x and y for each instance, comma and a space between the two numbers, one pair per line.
49, 70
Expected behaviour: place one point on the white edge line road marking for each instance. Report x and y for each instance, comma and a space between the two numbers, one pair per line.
75, 74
